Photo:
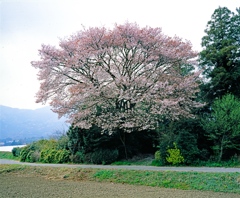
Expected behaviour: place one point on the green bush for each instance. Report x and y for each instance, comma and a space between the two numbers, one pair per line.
44, 144
48, 155
174, 155
34, 156
157, 156
29, 156
43, 155
157, 159
189, 136
24, 153
62, 156
79, 157
16, 151
156, 163
187, 143
62, 142
46, 151
88, 141
104, 156
51, 144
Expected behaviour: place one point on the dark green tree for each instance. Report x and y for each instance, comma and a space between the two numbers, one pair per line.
186, 133
223, 125
86, 142
220, 56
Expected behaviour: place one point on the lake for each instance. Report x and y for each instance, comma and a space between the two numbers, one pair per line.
9, 148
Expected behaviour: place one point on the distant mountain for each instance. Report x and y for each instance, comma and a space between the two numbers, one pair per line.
25, 123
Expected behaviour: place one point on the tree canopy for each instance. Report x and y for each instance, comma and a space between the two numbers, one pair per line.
127, 77
220, 54
223, 125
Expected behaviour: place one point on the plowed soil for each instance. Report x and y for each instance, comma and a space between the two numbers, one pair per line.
23, 186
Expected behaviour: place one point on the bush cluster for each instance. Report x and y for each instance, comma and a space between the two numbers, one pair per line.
54, 156
92, 146
16, 151
104, 156
47, 151
174, 155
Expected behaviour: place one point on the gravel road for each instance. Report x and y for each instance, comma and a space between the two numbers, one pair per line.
150, 168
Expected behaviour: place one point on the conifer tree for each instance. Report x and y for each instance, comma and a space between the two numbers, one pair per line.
220, 56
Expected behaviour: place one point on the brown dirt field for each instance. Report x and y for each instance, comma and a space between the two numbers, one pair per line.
25, 186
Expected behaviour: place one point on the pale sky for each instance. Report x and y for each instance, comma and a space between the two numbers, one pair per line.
26, 24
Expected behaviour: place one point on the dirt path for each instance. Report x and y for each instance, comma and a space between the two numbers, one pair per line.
21, 186
150, 168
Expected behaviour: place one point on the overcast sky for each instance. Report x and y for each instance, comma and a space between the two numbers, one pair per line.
26, 24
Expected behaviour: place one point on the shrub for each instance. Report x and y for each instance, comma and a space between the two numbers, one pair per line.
43, 150
157, 159
157, 156
79, 157
16, 151
174, 155
48, 155
62, 156
43, 155
187, 143
104, 156
35, 156
24, 153
62, 142
51, 144
156, 163
90, 140
29, 156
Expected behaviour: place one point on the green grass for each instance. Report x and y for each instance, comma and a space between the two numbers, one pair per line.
217, 182
7, 155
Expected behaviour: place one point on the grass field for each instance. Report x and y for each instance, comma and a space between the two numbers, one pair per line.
216, 182
205, 182
22, 186
7, 155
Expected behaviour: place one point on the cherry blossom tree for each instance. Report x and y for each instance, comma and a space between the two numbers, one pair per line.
125, 78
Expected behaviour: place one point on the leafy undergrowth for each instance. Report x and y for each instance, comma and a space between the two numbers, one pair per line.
218, 182
137, 160
148, 160
152, 162
229, 163
7, 155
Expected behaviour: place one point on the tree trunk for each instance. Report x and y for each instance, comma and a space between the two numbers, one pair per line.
123, 140
221, 150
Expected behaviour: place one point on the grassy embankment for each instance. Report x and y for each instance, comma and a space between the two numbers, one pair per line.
217, 182
7, 155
